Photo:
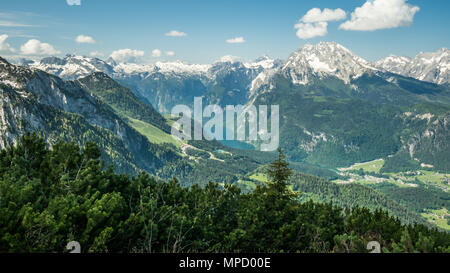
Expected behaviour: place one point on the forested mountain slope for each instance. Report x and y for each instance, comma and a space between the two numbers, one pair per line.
34, 101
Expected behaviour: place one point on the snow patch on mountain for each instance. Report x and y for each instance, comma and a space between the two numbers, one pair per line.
426, 66
181, 67
263, 62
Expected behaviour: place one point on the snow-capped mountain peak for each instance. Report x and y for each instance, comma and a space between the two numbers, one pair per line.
176, 69
426, 66
394, 64
324, 59
182, 67
265, 62
74, 67
71, 66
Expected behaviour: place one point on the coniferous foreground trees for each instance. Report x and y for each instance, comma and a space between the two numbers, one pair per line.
279, 174
49, 197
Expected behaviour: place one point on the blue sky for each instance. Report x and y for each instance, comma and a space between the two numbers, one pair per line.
266, 27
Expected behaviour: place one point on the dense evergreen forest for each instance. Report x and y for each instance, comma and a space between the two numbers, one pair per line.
50, 196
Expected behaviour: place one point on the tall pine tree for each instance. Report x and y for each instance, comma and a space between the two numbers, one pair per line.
279, 173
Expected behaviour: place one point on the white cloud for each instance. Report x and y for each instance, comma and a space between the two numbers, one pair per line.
170, 53
12, 24
311, 30
381, 14
314, 22
316, 15
85, 39
36, 47
229, 58
96, 54
126, 55
4, 46
237, 40
74, 2
156, 53
175, 33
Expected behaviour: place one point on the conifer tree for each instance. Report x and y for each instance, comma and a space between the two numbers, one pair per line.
279, 174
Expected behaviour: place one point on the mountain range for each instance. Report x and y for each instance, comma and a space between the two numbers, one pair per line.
131, 134
324, 83
429, 66
336, 110
229, 81
167, 84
